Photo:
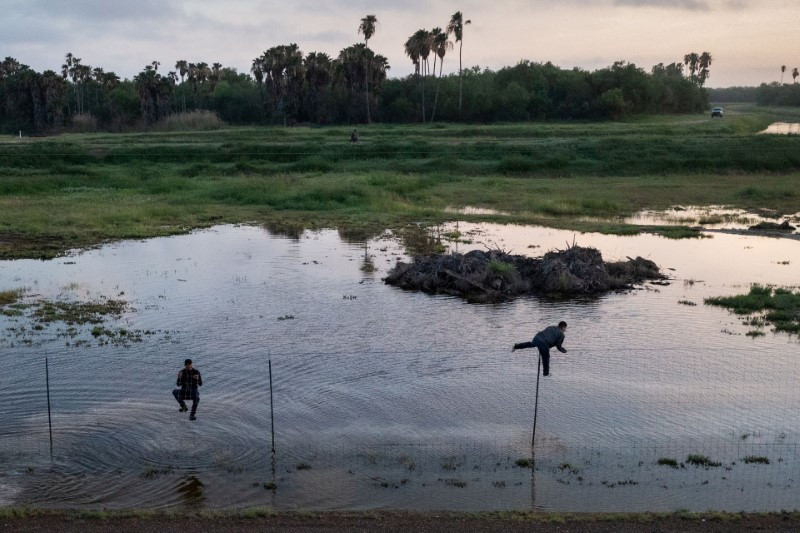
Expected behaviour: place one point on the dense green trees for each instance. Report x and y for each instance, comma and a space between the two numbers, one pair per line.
286, 86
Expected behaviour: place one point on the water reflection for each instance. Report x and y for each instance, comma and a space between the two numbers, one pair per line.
783, 128
191, 491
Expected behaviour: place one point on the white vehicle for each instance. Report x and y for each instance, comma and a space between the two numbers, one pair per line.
716, 112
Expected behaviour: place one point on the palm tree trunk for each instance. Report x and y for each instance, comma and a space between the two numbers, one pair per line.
423, 97
460, 77
366, 82
438, 82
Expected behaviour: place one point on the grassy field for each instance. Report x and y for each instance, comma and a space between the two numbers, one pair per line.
78, 190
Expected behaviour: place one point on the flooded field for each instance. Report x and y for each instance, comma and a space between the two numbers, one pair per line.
386, 398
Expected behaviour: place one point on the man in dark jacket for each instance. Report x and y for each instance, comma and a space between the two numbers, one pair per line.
188, 380
549, 337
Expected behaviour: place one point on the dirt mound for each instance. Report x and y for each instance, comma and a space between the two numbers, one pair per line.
494, 275
772, 226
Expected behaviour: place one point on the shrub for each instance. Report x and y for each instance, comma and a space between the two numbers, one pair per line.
197, 120
84, 123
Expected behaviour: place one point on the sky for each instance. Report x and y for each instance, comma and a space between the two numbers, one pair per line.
749, 40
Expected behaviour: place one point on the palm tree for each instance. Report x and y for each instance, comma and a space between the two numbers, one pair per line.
783, 69
691, 60
367, 28
214, 77
703, 64
795, 73
456, 27
414, 47
441, 44
318, 76
182, 68
258, 73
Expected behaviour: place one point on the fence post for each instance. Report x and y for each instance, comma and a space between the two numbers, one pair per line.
49, 418
271, 410
536, 406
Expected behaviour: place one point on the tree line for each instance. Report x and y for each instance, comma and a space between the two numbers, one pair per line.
287, 86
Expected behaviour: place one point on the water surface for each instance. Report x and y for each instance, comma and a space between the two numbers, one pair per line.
386, 398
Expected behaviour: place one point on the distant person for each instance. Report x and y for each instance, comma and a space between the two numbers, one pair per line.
549, 337
188, 380
354, 136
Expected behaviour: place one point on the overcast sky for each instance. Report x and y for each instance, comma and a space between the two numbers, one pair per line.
749, 40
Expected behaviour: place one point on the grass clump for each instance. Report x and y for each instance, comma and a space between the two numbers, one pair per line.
10, 297
666, 461
701, 460
524, 463
756, 459
303, 466
501, 267
781, 307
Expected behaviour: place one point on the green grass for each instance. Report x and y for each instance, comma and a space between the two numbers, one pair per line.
83, 189
701, 460
756, 459
781, 307
666, 461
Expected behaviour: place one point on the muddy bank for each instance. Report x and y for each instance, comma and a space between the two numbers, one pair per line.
495, 276
388, 520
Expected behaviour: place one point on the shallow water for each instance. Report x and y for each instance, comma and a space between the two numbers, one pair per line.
783, 128
709, 218
398, 399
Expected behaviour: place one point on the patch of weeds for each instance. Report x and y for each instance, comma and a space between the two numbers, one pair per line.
450, 463
97, 331
568, 468
10, 297
782, 306
499, 484
524, 463
303, 466
687, 302
79, 312
701, 460
755, 333
460, 483
270, 485
666, 461
286, 317
756, 459
501, 267
679, 232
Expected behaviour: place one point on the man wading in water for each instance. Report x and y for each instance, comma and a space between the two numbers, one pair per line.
549, 337
188, 380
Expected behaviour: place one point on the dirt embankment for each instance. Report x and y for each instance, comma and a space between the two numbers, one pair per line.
191, 520
495, 276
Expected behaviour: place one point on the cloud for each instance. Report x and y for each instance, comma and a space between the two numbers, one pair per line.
90, 11
691, 5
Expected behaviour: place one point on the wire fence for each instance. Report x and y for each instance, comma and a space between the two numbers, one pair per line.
124, 446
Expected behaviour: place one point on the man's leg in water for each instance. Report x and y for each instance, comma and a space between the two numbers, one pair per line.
195, 401
177, 394
544, 352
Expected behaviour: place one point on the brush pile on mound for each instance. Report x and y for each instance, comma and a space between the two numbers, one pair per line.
495, 276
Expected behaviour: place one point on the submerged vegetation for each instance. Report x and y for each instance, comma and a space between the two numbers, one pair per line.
701, 460
777, 306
